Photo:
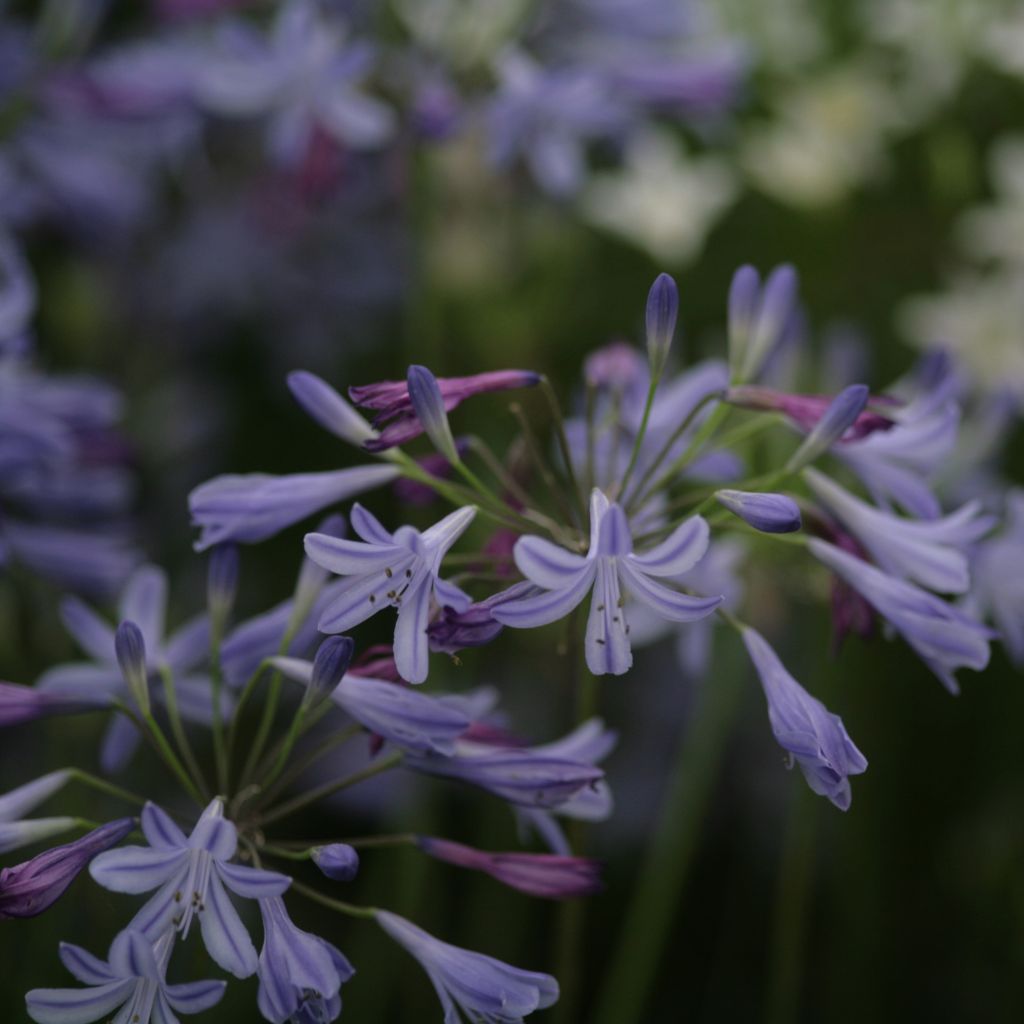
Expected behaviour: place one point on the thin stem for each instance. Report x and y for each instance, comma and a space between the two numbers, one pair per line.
326, 901
178, 731
360, 842
293, 773
171, 759
220, 755
563, 444
640, 434
329, 788
106, 787
638, 495
591, 464
661, 879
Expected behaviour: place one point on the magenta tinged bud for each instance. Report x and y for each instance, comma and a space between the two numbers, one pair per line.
30, 888
338, 861
130, 648
840, 415
547, 875
769, 513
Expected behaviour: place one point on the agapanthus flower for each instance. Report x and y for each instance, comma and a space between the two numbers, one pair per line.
479, 987
300, 974
396, 418
132, 978
143, 602
30, 888
759, 317
804, 727
337, 861
251, 507
413, 721
545, 777
474, 626
399, 570
15, 829
546, 875
945, 637
609, 568
20, 704
930, 552
193, 874
769, 513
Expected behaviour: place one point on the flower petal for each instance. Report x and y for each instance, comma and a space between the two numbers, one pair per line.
679, 552
253, 883
556, 604
135, 869
368, 526
669, 604
195, 996
224, 935
144, 602
77, 1005
411, 648
546, 564
607, 645
88, 969
443, 534
351, 557
91, 632
160, 832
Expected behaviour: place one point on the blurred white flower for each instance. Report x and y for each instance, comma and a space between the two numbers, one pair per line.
996, 231
662, 200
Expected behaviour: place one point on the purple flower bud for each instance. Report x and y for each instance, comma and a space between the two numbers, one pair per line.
662, 310
546, 875
222, 582
131, 656
24, 703
338, 861
330, 664
617, 366
398, 421
30, 888
428, 404
743, 296
412, 492
476, 626
758, 317
769, 513
837, 419
328, 408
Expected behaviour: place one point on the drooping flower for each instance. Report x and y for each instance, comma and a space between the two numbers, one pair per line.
547, 875
399, 570
328, 408
429, 406
609, 568
20, 704
132, 978
929, 552
143, 602
191, 874
300, 974
248, 508
483, 989
396, 418
30, 888
413, 721
944, 637
802, 725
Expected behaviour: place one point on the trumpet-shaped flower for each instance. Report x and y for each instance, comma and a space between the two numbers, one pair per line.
399, 570
15, 829
479, 987
191, 874
930, 552
802, 725
944, 637
300, 974
132, 978
609, 568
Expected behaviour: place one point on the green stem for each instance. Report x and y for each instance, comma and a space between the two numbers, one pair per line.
326, 901
662, 877
563, 444
293, 773
640, 434
106, 787
220, 755
329, 788
178, 732
166, 751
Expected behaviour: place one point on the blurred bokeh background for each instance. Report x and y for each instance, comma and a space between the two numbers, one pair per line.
473, 209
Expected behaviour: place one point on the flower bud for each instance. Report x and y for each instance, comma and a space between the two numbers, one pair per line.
769, 513
221, 584
329, 409
428, 404
130, 648
331, 662
338, 861
662, 310
841, 414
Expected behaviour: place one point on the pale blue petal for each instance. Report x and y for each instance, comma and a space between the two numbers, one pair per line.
88, 969
411, 647
546, 564
120, 742
224, 935
253, 883
195, 996
77, 1005
18, 802
669, 604
368, 526
160, 831
144, 602
216, 835
135, 869
351, 557
91, 632
450, 596
544, 608
443, 534
607, 644
678, 553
